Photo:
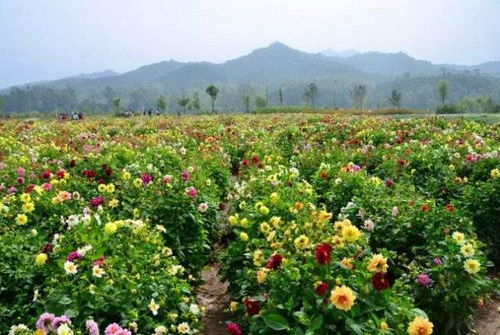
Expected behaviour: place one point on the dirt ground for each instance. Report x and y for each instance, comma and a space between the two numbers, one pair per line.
487, 320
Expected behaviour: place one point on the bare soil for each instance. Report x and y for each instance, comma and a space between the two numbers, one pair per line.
487, 319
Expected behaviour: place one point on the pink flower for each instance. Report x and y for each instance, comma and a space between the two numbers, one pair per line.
46, 174
192, 192
59, 320
233, 329
146, 178
20, 180
45, 321
74, 255
113, 329
47, 186
92, 327
99, 262
185, 175
124, 332
21, 172
167, 179
437, 261
424, 279
96, 201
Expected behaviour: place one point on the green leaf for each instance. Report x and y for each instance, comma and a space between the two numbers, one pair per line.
275, 321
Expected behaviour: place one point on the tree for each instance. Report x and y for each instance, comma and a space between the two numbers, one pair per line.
212, 91
311, 93
358, 95
395, 98
117, 105
246, 102
442, 91
109, 94
161, 104
183, 102
195, 104
1, 105
280, 95
260, 102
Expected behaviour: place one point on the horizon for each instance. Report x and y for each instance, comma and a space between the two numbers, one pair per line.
47, 40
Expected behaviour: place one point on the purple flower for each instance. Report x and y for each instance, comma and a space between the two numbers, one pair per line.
192, 192
185, 175
45, 321
96, 201
74, 255
423, 279
20, 180
146, 178
437, 261
92, 327
113, 329
124, 332
11, 190
59, 320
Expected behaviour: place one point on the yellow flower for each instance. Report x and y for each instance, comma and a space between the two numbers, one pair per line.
244, 223
154, 307
299, 206
347, 263
350, 233
28, 207
257, 257
261, 275
458, 237
233, 306
472, 266
495, 173
323, 217
301, 242
338, 242
383, 326
126, 175
41, 259
137, 182
21, 219
110, 228
101, 188
342, 297
265, 227
183, 328
39, 332
110, 188
25, 197
244, 237
378, 263
233, 220
275, 221
113, 203
420, 326
275, 198
263, 210
467, 250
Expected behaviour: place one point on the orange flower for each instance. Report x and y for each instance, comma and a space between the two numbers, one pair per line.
420, 326
342, 297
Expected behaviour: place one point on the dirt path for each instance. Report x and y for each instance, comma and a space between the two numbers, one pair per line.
487, 320
213, 295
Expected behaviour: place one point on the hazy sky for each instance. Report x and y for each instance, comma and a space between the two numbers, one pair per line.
48, 39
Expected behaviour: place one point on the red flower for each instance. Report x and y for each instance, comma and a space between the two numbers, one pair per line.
424, 208
253, 307
89, 173
233, 329
72, 163
321, 288
274, 262
60, 174
324, 175
380, 281
323, 253
389, 182
96, 201
255, 159
99, 262
245, 162
46, 174
450, 207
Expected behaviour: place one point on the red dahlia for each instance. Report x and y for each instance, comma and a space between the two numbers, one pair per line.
323, 253
253, 307
380, 281
274, 262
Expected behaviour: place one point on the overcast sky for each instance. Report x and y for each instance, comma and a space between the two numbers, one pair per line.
48, 39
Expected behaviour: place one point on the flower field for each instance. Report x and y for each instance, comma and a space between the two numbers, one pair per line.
329, 224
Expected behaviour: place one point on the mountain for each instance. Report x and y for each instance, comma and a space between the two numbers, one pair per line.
340, 54
489, 67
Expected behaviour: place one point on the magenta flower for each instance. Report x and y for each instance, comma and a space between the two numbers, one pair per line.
192, 192
113, 329
47, 186
146, 178
96, 201
46, 174
20, 180
438, 261
233, 328
59, 320
92, 327
185, 175
423, 279
74, 255
167, 179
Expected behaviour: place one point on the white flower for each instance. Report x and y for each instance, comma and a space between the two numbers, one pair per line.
394, 211
64, 330
154, 307
35, 295
183, 151
160, 330
84, 250
183, 328
203, 207
175, 269
72, 221
369, 225
70, 268
161, 228
194, 309
97, 271
18, 328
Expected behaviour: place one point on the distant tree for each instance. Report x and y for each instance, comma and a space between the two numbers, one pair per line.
195, 104
183, 102
161, 104
311, 93
358, 95
260, 102
442, 91
1, 106
117, 105
395, 98
212, 91
267, 96
280, 95
109, 94
246, 102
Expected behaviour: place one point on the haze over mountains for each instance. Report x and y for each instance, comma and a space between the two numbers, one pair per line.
280, 66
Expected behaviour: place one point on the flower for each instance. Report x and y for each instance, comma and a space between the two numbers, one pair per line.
60, 320
183, 328
263, 210
472, 266
458, 237
323, 253
243, 236
420, 326
70, 268
350, 233
203, 207
160, 330
233, 328
437, 261
146, 178
21, 219
45, 321
92, 327
191, 192
423, 279
96, 201
97, 271
342, 297
301, 242
41, 259
321, 288
383, 326
378, 263
112, 329
253, 307
154, 307
185, 175
74, 255
64, 330
110, 228
346, 263
368, 225
380, 281
495, 173
261, 275
467, 250
274, 262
